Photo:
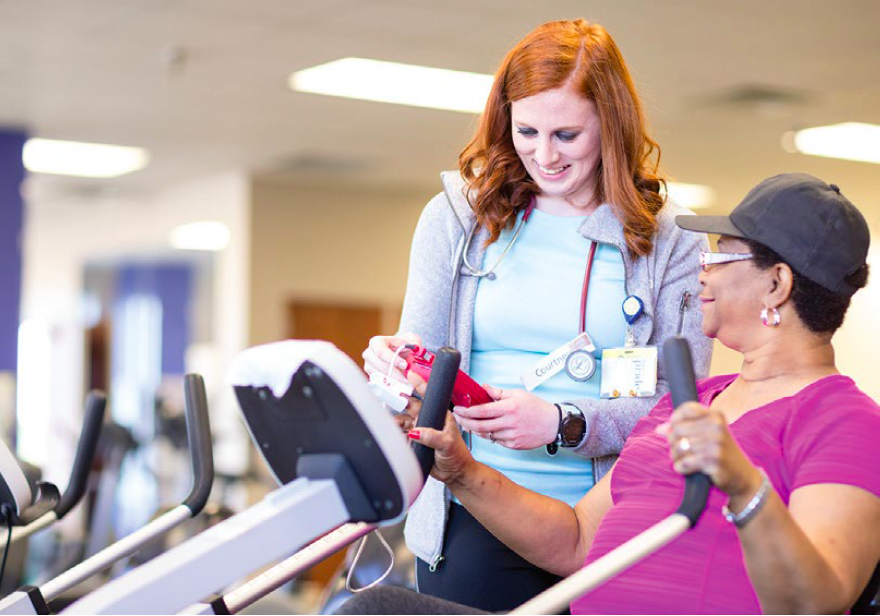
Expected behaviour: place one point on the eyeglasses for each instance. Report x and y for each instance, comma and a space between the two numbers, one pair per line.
708, 259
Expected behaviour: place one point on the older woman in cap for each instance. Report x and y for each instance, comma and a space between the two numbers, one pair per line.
791, 524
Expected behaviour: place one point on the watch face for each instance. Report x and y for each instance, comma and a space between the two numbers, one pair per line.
573, 428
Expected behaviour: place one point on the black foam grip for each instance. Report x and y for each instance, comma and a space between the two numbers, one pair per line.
93, 421
435, 405
198, 432
45, 500
679, 369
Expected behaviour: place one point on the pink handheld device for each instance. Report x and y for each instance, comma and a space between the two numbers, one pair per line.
466, 392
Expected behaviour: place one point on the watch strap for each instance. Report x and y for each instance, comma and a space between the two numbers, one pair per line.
553, 447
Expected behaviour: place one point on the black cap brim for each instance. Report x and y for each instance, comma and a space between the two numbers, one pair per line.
722, 225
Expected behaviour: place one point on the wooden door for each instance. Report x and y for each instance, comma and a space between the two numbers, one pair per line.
349, 327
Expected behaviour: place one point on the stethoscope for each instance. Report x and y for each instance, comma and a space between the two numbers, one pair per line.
489, 273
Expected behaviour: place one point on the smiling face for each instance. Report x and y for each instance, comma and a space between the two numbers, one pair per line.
733, 296
556, 134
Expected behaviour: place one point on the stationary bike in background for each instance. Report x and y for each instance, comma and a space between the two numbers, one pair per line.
28, 506
35, 600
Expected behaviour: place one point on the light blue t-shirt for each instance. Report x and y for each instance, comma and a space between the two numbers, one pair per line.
530, 309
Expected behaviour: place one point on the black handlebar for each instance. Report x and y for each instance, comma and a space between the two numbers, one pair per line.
679, 369
435, 405
46, 498
93, 420
198, 432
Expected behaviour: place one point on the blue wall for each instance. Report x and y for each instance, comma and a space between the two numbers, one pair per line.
11, 215
172, 285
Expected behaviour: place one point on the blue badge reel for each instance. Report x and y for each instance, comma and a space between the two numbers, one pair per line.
629, 371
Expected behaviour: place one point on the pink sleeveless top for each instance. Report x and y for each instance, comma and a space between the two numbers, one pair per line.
826, 433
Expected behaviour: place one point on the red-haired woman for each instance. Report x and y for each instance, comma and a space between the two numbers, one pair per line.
552, 262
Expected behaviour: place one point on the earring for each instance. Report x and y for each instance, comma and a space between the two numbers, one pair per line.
770, 317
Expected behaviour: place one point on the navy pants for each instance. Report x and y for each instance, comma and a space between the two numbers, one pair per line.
479, 571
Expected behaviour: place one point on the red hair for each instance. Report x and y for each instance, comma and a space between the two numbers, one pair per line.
581, 55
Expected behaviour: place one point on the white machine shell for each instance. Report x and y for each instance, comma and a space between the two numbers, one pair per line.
14, 477
273, 365
286, 520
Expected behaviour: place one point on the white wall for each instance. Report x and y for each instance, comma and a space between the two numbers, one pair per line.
329, 243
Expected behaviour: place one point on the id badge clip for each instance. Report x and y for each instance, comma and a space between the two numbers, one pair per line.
631, 371
632, 307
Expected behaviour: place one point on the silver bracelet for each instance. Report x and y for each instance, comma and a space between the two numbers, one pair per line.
751, 509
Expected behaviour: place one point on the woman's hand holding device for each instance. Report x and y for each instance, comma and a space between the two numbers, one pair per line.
516, 419
380, 354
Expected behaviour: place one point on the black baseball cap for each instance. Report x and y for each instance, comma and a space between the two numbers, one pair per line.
809, 223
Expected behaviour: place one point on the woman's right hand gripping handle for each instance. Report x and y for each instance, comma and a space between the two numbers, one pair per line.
378, 357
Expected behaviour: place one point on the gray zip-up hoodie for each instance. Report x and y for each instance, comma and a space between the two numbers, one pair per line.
439, 306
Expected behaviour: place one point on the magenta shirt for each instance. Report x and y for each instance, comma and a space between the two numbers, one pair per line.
826, 433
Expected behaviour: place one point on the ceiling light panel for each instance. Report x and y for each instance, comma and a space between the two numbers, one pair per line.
392, 82
206, 235
848, 141
691, 196
90, 160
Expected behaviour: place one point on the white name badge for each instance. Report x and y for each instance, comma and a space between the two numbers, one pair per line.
391, 392
554, 362
629, 372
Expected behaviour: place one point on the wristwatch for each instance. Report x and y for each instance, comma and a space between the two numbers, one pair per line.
572, 428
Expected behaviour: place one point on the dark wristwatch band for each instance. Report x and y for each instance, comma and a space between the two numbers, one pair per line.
553, 448
571, 429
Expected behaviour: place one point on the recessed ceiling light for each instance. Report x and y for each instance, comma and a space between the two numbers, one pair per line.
205, 235
392, 82
849, 141
90, 160
691, 196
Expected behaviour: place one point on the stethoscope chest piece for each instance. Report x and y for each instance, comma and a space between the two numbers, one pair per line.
580, 365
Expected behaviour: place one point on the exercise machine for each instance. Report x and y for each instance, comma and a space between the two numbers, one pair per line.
33, 502
31, 515
679, 368
337, 453
34, 600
